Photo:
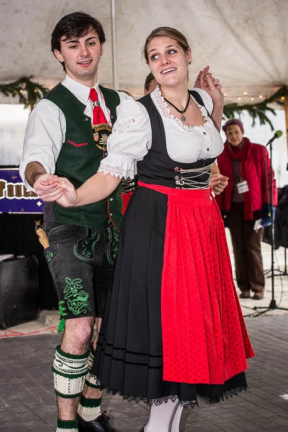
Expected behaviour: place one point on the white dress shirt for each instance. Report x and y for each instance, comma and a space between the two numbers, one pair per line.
46, 128
131, 137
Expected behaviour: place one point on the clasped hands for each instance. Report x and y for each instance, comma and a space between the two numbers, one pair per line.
51, 188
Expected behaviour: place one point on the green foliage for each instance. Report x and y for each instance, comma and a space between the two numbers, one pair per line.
257, 110
28, 91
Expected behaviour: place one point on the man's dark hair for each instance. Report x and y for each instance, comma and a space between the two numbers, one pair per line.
148, 81
74, 25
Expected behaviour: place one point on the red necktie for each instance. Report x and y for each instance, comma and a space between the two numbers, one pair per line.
98, 114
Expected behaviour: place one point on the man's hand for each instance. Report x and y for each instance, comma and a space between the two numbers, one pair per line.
46, 186
218, 183
50, 187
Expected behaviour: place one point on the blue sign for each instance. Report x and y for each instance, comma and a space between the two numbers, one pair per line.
14, 197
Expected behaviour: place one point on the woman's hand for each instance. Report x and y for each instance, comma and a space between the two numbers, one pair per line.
96, 188
65, 194
69, 195
213, 87
46, 187
218, 183
201, 78
207, 82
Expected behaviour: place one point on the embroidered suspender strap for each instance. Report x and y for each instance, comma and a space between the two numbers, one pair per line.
199, 99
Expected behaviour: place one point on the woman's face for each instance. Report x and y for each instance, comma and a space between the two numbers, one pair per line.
234, 135
168, 61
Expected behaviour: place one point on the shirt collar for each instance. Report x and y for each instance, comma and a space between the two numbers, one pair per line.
79, 90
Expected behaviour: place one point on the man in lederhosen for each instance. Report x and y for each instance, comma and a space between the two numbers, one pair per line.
66, 135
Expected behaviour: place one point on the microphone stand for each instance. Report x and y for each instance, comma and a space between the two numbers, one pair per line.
273, 304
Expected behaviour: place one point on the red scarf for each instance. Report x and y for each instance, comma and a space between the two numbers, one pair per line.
241, 154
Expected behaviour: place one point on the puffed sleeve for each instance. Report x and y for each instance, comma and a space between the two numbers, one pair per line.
129, 142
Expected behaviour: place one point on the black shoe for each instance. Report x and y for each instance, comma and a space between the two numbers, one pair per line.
258, 296
100, 424
244, 294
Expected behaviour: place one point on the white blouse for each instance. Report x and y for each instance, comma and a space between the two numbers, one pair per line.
132, 136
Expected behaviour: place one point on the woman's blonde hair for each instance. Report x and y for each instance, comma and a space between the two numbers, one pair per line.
166, 32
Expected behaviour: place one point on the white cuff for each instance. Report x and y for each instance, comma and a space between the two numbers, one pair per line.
23, 165
122, 166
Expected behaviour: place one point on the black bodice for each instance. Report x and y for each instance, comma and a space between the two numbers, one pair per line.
158, 168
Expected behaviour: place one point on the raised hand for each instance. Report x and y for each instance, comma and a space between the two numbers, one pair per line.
207, 82
201, 80
213, 88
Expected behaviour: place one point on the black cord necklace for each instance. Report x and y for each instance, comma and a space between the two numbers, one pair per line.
183, 118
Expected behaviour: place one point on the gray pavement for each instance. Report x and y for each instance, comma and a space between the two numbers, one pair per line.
27, 401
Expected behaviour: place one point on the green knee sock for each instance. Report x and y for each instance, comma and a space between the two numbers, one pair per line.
67, 426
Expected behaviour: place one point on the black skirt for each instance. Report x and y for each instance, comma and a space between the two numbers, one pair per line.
129, 355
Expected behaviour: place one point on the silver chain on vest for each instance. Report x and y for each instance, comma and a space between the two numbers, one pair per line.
189, 178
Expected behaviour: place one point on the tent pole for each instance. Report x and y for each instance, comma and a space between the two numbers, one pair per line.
114, 45
286, 118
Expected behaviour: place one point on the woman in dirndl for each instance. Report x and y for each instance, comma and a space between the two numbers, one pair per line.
173, 329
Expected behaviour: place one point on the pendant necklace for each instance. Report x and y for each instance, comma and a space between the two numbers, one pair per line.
183, 118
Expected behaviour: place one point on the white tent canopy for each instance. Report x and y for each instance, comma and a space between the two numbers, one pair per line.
244, 41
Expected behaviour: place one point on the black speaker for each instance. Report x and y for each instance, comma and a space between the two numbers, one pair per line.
18, 237
19, 291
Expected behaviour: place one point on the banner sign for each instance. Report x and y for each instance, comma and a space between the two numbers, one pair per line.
14, 197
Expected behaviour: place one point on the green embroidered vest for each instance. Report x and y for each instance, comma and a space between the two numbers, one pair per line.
79, 159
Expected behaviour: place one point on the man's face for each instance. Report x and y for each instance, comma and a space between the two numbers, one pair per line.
81, 57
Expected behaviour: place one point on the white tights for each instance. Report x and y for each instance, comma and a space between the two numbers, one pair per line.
165, 417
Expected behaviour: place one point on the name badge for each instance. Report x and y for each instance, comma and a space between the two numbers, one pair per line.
242, 187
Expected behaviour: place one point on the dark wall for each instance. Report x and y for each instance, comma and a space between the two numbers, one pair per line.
18, 237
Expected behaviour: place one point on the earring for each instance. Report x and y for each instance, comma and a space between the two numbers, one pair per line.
190, 62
